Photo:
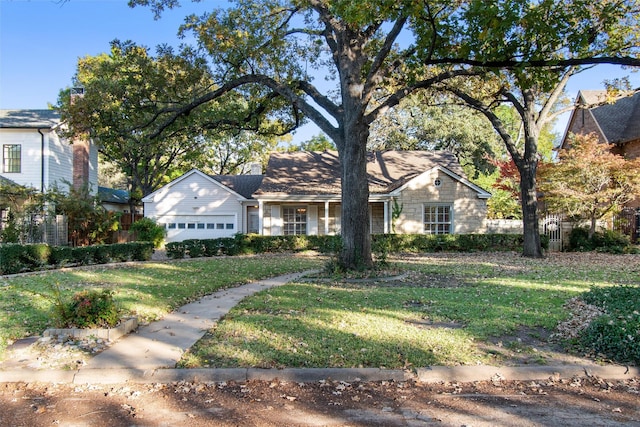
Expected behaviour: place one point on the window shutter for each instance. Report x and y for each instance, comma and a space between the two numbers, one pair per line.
312, 220
337, 212
276, 221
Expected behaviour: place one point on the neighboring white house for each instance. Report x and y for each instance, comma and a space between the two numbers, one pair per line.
300, 193
33, 155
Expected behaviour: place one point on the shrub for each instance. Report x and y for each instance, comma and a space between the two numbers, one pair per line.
140, 251
119, 252
92, 309
101, 254
602, 241
11, 261
83, 255
147, 230
61, 255
615, 335
175, 250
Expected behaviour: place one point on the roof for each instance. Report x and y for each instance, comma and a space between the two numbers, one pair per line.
245, 185
619, 121
242, 185
6, 181
111, 195
29, 119
318, 173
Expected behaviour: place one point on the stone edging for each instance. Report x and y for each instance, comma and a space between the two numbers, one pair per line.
110, 334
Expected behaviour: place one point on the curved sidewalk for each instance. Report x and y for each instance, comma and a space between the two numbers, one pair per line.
151, 354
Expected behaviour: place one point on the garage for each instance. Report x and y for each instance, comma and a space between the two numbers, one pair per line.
182, 227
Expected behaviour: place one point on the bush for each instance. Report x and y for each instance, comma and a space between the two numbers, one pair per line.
615, 335
92, 309
61, 256
601, 241
175, 250
147, 230
140, 251
11, 258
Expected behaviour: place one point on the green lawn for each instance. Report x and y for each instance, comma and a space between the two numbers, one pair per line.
440, 312
149, 290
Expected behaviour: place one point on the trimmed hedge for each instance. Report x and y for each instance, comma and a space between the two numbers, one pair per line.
381, 244
15, 258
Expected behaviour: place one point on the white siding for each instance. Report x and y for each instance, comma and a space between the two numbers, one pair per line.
31, 167
196, 199
60, 164
58, 159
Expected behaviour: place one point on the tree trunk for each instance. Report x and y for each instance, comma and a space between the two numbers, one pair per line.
356, 233
532, 246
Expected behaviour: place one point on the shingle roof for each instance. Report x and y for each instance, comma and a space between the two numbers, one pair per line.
307, 173
6, 181
245, 185
620, 121
111, 195
29, 119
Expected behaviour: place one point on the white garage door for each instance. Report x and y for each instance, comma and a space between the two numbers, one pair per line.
183, 227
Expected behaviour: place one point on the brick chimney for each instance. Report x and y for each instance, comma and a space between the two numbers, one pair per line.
80, 152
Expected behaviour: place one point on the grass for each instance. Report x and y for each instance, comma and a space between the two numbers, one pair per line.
441, 314
443, 311
149, 290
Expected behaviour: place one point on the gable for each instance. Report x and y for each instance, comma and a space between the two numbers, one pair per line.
425, 179
614, 123
193, 183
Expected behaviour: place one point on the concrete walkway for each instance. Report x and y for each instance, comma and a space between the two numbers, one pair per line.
151, 354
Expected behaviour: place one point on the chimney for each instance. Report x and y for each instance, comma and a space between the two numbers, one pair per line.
80, 151
256, 169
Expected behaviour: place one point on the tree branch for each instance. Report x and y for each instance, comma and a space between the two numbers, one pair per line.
538, 63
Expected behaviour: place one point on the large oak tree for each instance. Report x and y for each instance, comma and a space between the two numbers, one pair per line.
376, 53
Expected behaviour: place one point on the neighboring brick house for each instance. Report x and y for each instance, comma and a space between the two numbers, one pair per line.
615, 123
300, 193
33, 155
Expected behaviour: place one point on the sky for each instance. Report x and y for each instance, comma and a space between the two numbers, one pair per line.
41, 41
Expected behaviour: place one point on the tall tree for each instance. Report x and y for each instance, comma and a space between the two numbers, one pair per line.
121, 92
589, 182
377, 52
565, 35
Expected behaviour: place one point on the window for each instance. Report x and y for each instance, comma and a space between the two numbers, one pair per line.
294, 220
437, 219
200, 226
11, 158
229, 226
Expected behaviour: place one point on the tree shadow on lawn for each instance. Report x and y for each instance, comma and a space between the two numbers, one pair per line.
271, 316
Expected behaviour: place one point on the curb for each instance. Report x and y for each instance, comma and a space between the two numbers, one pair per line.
436, 374
523, 373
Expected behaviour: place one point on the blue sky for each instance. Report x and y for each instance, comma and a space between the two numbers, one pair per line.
41, 41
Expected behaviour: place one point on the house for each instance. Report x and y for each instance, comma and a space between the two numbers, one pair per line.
300, 193
33, 155
114, 200
615, 123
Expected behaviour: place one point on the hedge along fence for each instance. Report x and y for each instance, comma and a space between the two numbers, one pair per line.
16, 258
381, 245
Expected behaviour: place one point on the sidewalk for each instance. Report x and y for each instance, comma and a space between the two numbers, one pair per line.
151, 354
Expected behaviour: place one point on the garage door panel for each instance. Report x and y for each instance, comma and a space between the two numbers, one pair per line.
182, 227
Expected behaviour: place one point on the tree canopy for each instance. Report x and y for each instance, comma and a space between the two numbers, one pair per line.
590, 182
375, 53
